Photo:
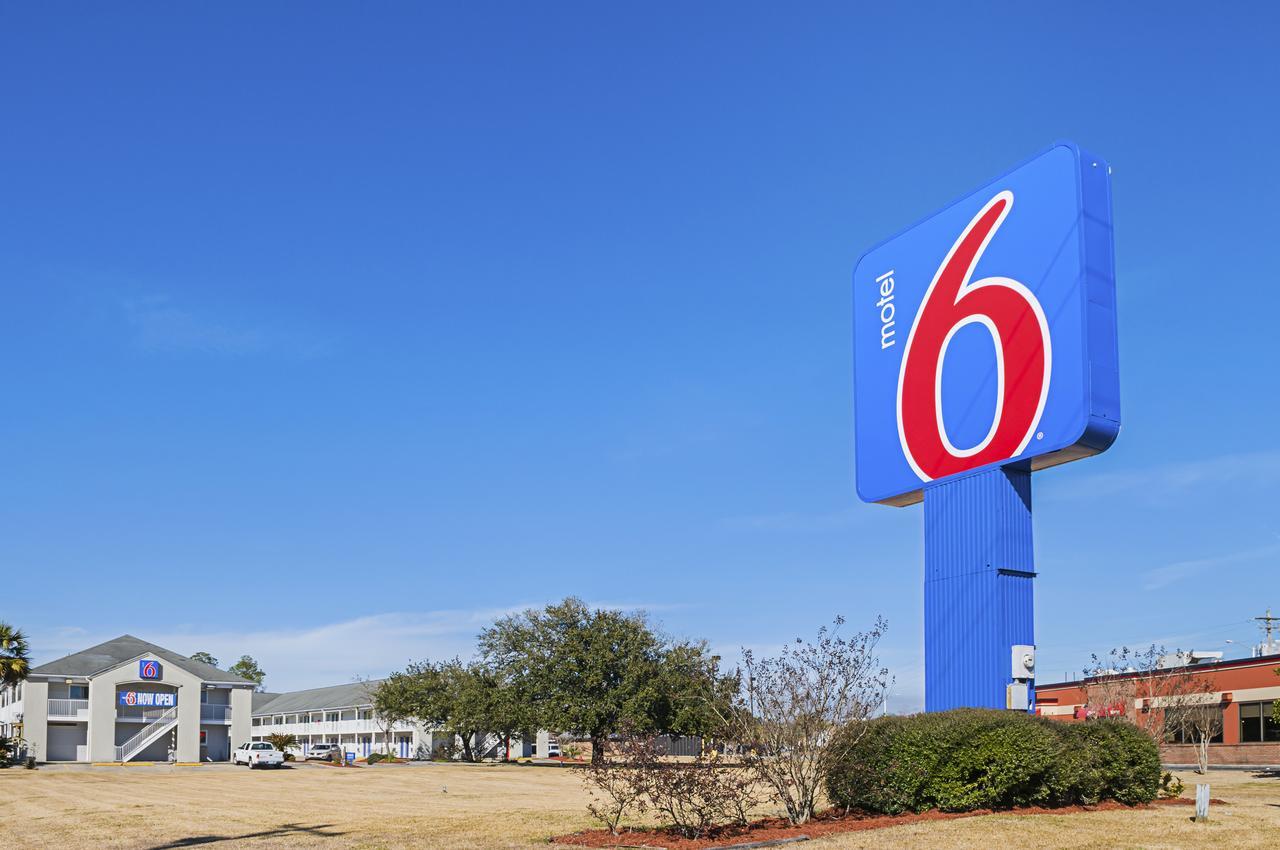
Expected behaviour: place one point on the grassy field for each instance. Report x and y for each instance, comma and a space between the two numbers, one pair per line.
463, 806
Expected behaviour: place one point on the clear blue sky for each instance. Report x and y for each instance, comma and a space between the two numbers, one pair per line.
388, 316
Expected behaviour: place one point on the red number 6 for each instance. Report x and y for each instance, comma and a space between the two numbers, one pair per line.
1016, 322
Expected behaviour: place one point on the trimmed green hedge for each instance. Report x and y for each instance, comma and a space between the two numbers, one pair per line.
969, 759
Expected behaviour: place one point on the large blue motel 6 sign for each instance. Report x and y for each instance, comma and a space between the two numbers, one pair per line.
985, 348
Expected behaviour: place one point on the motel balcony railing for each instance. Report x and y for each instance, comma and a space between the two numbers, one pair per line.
138, 714
67, 707
214, 713
330, 727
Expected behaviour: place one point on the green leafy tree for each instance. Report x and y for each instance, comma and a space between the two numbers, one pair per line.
469, 700
509, 711
392, 700
14, 663
595, 672
247, 668
484, 701
469, 690
205, 657
693, 695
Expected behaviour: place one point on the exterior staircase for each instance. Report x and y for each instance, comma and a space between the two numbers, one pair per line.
147, 734
490, 746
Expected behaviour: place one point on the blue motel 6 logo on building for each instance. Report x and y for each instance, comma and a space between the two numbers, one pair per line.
148, 669
985, 335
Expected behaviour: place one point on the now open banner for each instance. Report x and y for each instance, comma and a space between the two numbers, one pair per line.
148, 699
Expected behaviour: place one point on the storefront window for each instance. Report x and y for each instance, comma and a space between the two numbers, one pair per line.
1270, 728
1185, 725
1256, 724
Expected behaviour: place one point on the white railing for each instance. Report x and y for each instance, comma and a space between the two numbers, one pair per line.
146, 715
147, 734
332, 727
214, 713
67, 707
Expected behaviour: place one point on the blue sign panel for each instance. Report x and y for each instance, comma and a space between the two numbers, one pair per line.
148, 699
985, 335
148, 669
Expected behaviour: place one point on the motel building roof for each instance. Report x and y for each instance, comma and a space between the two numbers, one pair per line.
350, 695
87, 663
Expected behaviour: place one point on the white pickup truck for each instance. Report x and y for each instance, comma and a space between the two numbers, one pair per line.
257, 754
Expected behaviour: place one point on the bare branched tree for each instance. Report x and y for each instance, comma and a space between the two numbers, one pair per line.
793, 705
1109, 681
1191, 711
1170, 702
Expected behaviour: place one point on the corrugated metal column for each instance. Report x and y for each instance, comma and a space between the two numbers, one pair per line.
978, 571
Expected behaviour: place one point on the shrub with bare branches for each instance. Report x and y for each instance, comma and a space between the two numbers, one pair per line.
616, 783
700, 795
694, 797
793, 706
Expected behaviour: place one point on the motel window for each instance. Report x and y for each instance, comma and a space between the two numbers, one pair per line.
78, 692
366, 714
331, 716
257, 721
1256, 723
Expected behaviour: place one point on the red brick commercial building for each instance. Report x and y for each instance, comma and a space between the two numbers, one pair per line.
1243, 689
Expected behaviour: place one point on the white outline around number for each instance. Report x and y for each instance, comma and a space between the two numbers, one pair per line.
965, 288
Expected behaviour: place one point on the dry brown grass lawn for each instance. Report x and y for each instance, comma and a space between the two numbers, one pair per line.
464, 806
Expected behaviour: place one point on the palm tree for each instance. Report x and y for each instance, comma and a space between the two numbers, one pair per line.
282, 741
13, 655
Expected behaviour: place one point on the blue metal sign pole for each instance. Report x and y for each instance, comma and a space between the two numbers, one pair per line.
978, 572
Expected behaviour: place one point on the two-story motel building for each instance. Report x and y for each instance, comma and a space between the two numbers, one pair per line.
343, 715
128, 700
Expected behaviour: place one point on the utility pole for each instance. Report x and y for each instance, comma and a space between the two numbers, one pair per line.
1268, 623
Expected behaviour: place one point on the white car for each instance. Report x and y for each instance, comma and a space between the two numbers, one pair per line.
323, 752
257, 754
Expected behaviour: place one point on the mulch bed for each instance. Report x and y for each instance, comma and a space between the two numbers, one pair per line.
826, 823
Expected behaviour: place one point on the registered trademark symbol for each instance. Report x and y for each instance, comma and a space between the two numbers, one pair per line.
1040, 435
